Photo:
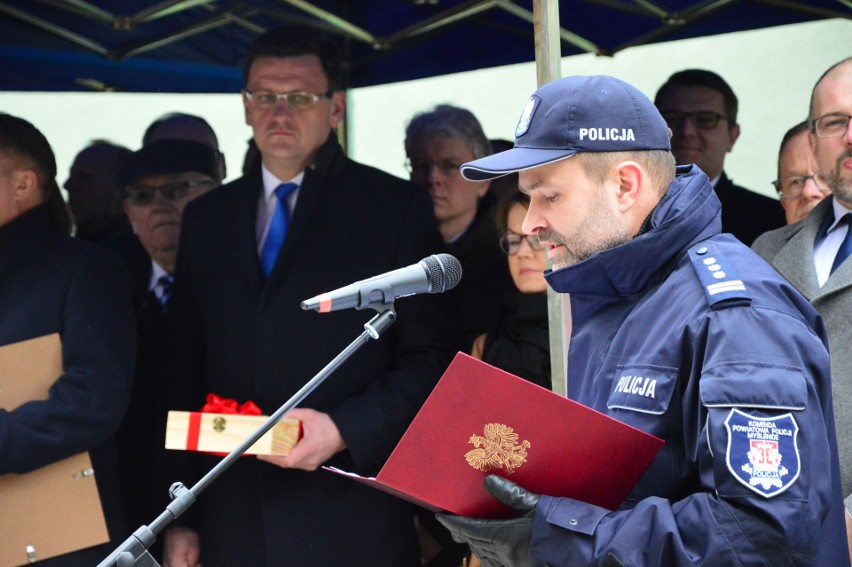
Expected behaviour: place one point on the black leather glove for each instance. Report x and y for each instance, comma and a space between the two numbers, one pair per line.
498, 543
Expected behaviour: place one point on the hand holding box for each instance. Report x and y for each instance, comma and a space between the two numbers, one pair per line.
222, 425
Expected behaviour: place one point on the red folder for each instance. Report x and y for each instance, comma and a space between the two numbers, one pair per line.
480, 420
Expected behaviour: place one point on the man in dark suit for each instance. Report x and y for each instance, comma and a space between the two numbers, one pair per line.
701, 110
157, 181
50, 284
238, 298
813, 253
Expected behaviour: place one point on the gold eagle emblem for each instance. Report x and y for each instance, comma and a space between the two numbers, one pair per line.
498, 449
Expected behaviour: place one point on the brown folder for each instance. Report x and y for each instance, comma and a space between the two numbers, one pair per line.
55, 509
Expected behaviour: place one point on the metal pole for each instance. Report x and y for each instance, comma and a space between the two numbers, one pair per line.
133, 552
548, 55
548, 52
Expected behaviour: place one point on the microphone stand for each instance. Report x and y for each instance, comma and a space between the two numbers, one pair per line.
133, 552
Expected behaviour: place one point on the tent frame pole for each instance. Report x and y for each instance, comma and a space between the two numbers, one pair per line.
548, 57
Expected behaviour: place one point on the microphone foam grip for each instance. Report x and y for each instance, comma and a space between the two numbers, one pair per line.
445, 272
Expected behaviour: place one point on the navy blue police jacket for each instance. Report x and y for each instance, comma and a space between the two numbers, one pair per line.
685, 333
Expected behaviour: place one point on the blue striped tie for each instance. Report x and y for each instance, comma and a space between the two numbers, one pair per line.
166, 285
846, 246
277, 228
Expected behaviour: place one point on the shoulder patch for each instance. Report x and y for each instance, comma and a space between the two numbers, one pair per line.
721, 286
763, 452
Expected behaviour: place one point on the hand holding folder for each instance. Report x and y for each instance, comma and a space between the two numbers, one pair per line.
56, 509
498, 541
480, 420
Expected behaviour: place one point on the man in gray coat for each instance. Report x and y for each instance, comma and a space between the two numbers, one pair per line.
811, 253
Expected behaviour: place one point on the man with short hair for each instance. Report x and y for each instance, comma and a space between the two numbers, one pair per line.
92, 186
52, 284
798, 187
701, 110
94, 197
158, 181
437, 142
306, 220
741, 387
812, 254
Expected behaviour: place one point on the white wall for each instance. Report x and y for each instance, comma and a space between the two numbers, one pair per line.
71, 120
772, 71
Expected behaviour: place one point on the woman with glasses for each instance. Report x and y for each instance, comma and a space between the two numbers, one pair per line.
518, 341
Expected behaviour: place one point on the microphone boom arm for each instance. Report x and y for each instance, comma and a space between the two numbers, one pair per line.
133, 552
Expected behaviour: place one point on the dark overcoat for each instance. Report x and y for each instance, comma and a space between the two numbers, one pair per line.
51, 283
250, 339
747, 214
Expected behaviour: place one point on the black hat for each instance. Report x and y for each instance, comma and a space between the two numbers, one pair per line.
165, 157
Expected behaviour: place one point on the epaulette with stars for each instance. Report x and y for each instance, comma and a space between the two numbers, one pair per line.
721, 285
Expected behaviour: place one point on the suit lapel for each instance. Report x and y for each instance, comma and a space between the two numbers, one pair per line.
842, 276
141, 275
839, 280
311, 194
244, 237
149, 311
795, 260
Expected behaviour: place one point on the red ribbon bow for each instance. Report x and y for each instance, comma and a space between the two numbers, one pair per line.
217, 404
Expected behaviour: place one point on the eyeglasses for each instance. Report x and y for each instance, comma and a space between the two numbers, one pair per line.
511, 242
296, 100
702, 119
791, 187
831, 125
171, 191
423, 168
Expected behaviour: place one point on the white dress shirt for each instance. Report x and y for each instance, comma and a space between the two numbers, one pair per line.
268, 202
154, 284
715, 180
826, 249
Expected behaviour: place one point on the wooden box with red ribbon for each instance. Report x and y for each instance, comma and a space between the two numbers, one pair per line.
222, 424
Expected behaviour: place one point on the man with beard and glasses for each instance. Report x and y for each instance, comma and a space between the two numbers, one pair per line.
736, 360
811, 254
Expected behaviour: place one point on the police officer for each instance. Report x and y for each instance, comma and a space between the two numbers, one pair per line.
733, 360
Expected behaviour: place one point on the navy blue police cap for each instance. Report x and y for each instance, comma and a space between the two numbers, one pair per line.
577, 114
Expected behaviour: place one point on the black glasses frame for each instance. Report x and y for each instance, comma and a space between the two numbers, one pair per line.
701, 119
171, 191
422, 168
510, 243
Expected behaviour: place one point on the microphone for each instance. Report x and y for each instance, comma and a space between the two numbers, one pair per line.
435, 274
